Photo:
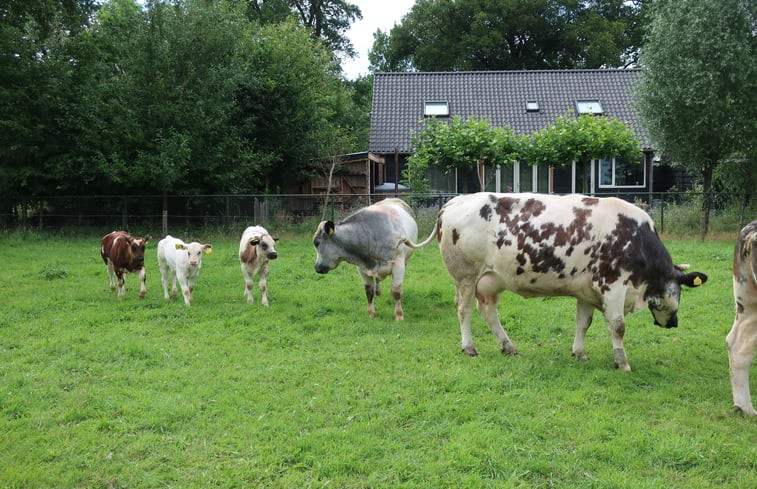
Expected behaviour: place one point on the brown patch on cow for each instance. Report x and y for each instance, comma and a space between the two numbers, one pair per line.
455, 236
249, 254
590, 201
439, 226
486, 213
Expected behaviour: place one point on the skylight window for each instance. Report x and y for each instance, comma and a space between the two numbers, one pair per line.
436, 109
591, 107
532, 106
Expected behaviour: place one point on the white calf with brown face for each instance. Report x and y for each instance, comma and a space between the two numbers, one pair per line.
180, 261
256, 248
742, 339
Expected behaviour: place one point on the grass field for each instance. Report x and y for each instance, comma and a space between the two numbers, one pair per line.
312, 393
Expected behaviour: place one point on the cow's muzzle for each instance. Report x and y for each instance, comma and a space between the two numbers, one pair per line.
672, 323
273, 256
321, 269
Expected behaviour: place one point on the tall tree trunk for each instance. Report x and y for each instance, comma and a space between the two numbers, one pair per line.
704, 217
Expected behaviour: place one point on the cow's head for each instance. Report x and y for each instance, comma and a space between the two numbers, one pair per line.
327, 254
194, 252
265, 245
137, 247
663, 303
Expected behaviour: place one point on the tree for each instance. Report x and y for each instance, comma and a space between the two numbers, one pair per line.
459, 143
442, 35
698, 93
570, 139
327, 20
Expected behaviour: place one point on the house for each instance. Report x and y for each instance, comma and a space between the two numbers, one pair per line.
525, 101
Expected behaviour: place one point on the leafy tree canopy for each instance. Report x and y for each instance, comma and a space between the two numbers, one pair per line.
445, 35
698, 94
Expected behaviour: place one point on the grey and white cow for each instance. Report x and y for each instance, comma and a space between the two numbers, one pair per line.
604, 252
373, 238
742, 339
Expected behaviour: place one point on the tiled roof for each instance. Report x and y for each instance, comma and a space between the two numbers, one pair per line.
499, 96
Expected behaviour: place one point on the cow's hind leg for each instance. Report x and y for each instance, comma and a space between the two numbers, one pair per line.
464, 296
741, 342
487, 295
111, 274
584, 314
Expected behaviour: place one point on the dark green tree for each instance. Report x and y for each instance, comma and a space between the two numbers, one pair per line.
698, 94
442, 35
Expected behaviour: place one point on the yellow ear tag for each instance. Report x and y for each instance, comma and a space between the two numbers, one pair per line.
208, 251
178, 246
697, 281
331, 231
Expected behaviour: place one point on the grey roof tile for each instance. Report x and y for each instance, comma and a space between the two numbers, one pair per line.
499, 96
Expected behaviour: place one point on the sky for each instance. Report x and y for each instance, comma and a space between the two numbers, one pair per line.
377, 14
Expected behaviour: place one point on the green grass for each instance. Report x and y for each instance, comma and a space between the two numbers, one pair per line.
312, 393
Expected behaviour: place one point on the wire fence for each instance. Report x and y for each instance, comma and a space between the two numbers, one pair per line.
159, 214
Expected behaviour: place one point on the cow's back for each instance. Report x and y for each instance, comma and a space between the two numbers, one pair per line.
745, 268
111, 247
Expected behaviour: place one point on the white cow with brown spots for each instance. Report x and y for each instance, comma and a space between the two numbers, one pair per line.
742, 339
256, 248
182, 261
604, 252
372, 238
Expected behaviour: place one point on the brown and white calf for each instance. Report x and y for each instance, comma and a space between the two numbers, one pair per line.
604, 252
124, 253
256, 248
742, 339
182, 261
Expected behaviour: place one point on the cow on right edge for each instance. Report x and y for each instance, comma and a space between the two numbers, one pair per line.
604, 252
742, 339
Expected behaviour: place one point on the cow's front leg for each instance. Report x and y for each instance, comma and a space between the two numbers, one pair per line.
121, 285
742, 343
464, 295
616, 325
584, 314
186, 289
142, 286
263, 285
111, 275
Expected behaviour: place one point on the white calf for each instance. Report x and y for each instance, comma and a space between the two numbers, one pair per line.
181, 261
256, 248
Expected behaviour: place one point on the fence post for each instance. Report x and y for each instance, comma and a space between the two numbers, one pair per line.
662, 213
124, 224
165, 215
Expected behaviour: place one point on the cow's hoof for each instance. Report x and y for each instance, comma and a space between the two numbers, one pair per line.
748, 411
470, 351
624, 367
509, 349
581, 357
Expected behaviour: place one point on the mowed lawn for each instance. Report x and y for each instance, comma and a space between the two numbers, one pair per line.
310, 393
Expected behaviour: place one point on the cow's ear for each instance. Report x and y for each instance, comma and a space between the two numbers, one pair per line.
147, 238
255, 241
208, 249
275, 240
329, 227
693, 279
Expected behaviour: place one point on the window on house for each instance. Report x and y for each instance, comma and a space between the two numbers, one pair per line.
436, 109
589, 106
532, 106
615, 173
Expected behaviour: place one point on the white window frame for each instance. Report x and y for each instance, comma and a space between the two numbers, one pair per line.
436, 108
613, 185
589, 106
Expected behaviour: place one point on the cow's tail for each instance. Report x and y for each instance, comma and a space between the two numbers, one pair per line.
423, 243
